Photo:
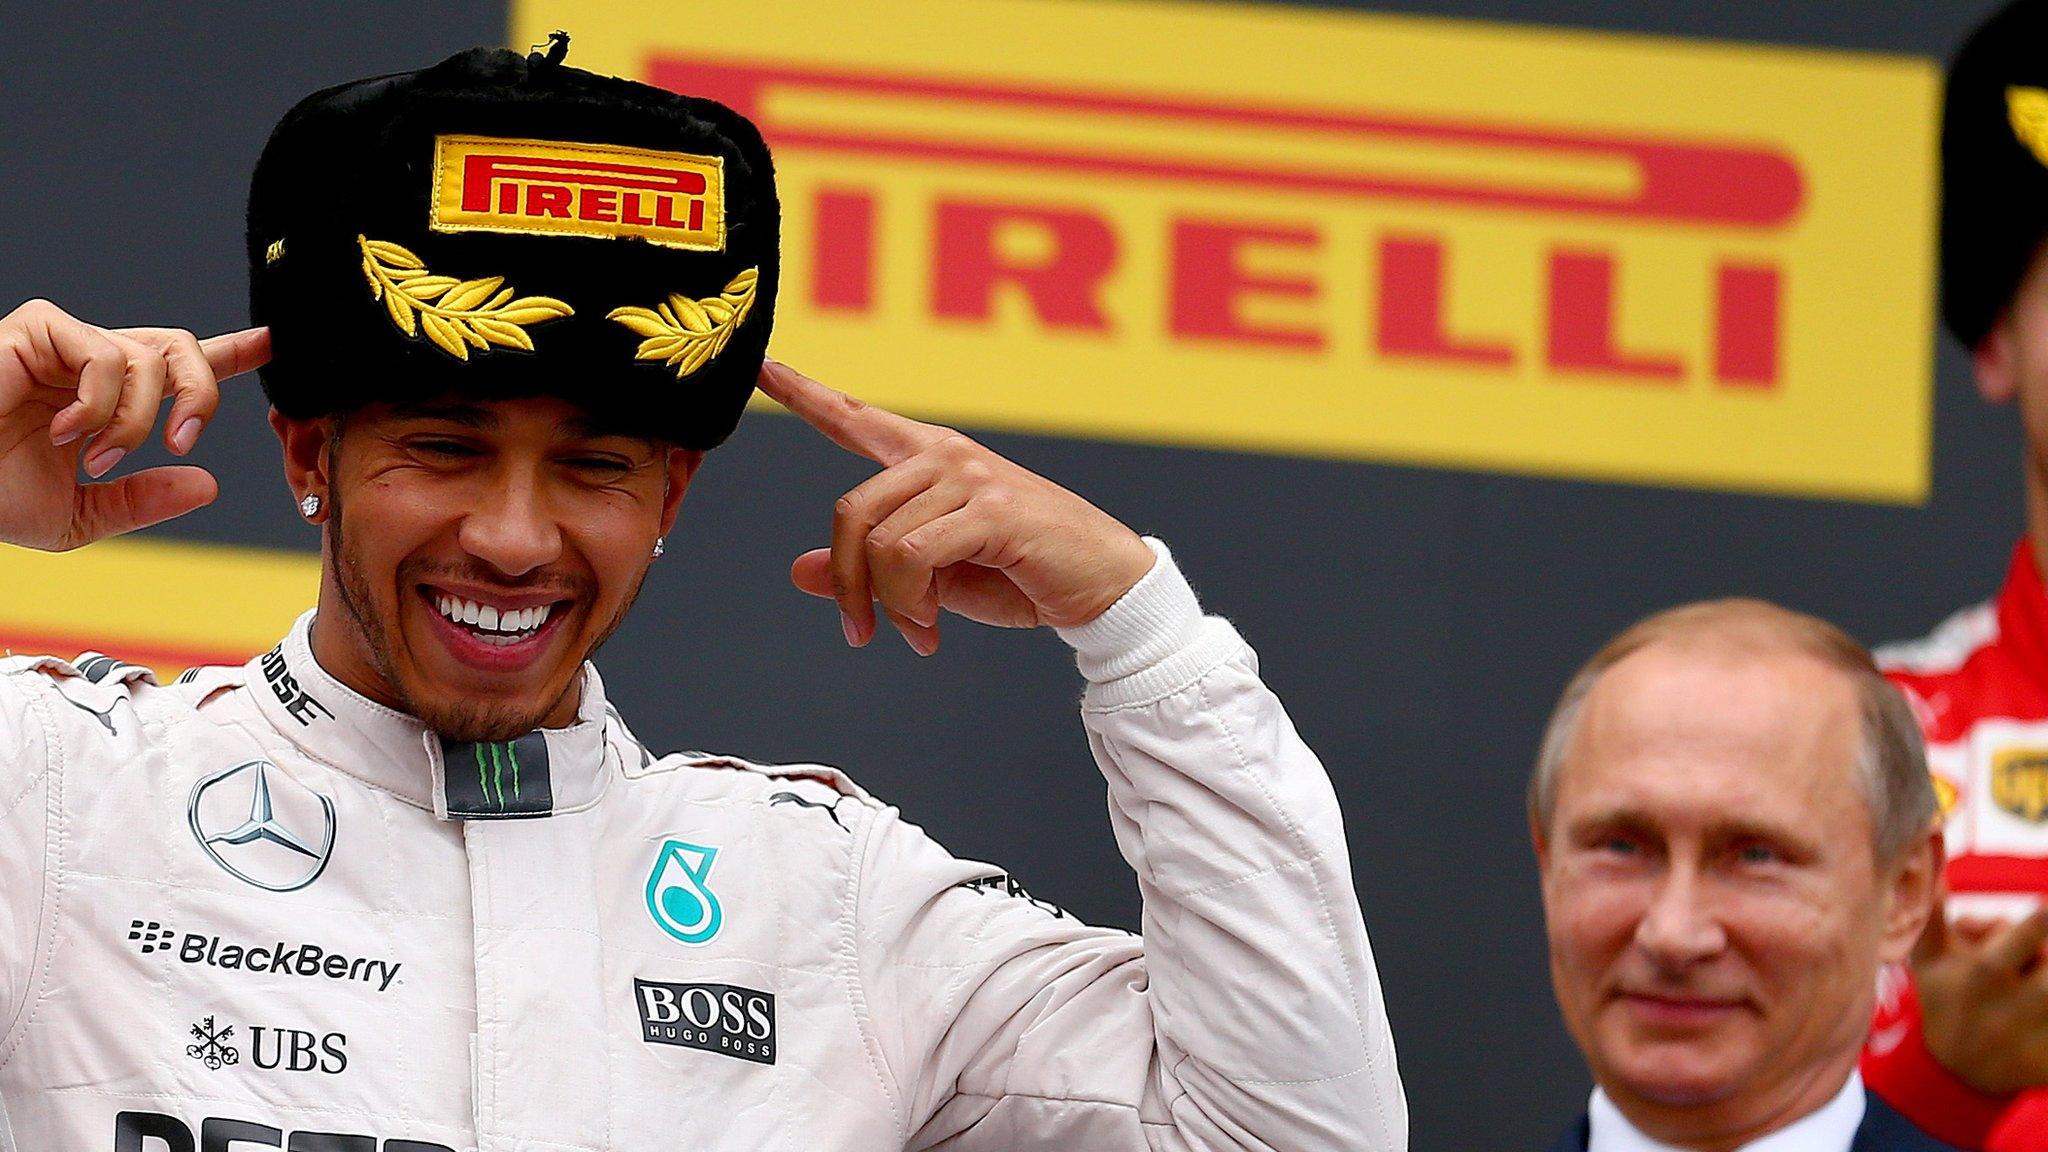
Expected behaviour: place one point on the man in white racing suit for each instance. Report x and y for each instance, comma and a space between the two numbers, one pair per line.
406, 883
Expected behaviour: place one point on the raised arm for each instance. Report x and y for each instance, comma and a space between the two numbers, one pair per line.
1249, 1014
74, 395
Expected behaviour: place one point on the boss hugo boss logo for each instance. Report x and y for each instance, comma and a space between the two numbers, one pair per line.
310, 961
721, 1018
262, 827
157, 1132
298, 703
679, 895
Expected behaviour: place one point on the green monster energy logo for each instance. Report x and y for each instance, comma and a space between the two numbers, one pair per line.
512, 777
491, 763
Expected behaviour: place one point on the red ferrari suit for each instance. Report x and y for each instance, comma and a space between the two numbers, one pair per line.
1979, 684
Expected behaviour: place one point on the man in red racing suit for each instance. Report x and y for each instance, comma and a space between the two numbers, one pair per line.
1979, 684
1960, 1040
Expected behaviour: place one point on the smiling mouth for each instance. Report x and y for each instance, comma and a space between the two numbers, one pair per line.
1675, 1008
489, 623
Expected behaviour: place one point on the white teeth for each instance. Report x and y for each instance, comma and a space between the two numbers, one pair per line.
502, 624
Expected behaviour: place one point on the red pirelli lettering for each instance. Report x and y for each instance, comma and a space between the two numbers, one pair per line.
1411, 311
1746, 326
548, 200
1582, 322
843, 251
968, 266
483, 171
1211, 282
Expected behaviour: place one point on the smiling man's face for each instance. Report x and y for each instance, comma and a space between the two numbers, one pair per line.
1716, 911
478, 553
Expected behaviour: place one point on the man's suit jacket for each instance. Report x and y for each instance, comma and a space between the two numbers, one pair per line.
1882, 1130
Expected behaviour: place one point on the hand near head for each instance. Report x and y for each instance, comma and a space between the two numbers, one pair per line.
74, 395
949, 524
1983, 990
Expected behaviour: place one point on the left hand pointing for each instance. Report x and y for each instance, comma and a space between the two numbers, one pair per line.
949, 524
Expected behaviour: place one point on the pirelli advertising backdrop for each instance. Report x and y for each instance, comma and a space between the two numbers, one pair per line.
1437, 348
1276, 230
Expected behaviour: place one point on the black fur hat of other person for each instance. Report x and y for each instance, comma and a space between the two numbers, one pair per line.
1994, 167
501, 226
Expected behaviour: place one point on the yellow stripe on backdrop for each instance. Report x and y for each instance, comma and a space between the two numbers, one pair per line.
164, 604
1352, 235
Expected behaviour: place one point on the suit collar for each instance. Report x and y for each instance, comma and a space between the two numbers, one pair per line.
546, 771
1833, 1127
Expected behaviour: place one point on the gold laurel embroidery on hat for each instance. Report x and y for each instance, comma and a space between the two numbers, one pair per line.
687, 333
2027, 109
454, 314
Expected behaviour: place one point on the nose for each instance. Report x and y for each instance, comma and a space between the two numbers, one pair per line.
512, 528
1680, 927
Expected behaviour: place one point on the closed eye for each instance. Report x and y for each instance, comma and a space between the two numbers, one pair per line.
452, 449
606, 465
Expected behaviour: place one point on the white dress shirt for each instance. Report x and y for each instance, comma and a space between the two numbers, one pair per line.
1829, 1128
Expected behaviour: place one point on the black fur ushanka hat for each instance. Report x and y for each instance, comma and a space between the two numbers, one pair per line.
499, 226
1994, 167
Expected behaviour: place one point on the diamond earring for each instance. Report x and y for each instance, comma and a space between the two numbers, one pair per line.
310, 506
657, 547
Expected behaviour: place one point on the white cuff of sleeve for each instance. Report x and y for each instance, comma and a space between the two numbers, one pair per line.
1157, 618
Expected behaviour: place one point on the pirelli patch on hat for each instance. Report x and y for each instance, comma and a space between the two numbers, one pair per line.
557, 188
505, 227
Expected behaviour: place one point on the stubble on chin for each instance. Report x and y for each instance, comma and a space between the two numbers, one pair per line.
479, 722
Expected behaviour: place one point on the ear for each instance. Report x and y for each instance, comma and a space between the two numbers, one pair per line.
1541, 842
1996, 360
1913, 897
306, 458
682, 468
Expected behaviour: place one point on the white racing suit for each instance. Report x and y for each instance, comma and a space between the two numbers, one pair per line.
255, 910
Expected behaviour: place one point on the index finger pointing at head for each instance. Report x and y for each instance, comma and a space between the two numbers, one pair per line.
859, 427
197, 367
192, 385
233, 353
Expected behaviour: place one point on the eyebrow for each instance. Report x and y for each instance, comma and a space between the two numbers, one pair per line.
1733, 829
